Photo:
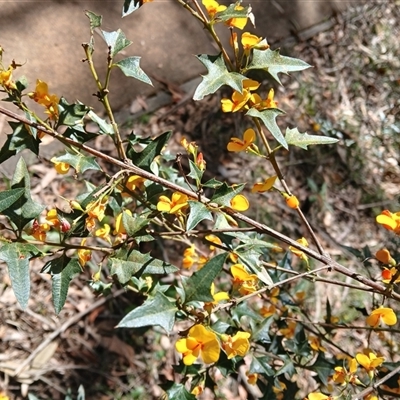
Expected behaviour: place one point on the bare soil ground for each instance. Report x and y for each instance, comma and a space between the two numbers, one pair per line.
352, 93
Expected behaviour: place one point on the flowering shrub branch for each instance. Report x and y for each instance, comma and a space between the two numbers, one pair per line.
240, 273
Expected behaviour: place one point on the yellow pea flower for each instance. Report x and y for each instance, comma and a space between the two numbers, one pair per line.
315, 344
135, 182
318, 396
84, 255
176, 205
239, 23
244, 282
236, 144
299, 253
262, 187
370, 362
384, 314
104, 232
290, 330
41, 96
119, 226
200, 342
61, 167
237, 345
39, 231
6, 78
390, 221
213, 239
240, 203
239, 100
213, 7
388, 274
249, 41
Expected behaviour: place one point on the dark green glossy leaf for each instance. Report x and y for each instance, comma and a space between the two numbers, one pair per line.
195, 172
130, 6
136, 261
130, 67
24, 209
198, 212
71, 114
133, 225
261, 365
9, 197
62, 270
105, 127
19, 140
154, 311
218, 75
224, 194
80, 162
144, 158
177, 391
323, 368
212, 183
198, 286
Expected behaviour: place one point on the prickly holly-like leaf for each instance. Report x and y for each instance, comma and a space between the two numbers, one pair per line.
198, 286
62, 270
195, 172
80, 162
71, 114
323, 368
94, 19
116, 41
144, 158
104, 126
177, 391
274, 63
268, 117
79, 134
22, 138
136, 261
133, 225
212, 183
17, 256
130, 6
260, 332
296, 138
130, 67
261, 365
233, 12
218, 75
198, 212
24, 209
224, 194
9, 197
159, 310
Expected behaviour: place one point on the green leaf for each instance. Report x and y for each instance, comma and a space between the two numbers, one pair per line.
274, 63
130, 6
116, 41
198, 212
80, 162
260, 333
232, 12
71, 114
154, 311
150, 152
104, 126
130, 67
133, 225
24, 209
261, 365
17, 256
177, 391
268, 117
212, 183
94, 19
323, 368
224, 194
198, 286
62, 270
19, 140
296, 138
195, 172
9, 197
125, 269
79, 134
218, 75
